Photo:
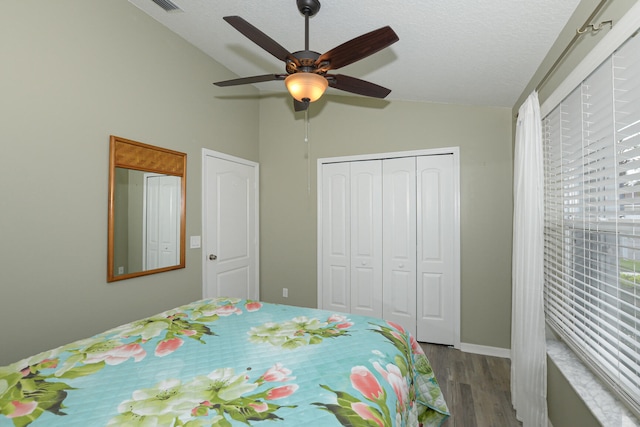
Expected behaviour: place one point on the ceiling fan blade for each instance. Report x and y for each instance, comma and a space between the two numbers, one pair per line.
300, 106
249, 80
260, 38
357, 49
354, 85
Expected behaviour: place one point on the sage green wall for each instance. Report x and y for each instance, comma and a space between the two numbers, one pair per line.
74, 72
341, 126
566, 408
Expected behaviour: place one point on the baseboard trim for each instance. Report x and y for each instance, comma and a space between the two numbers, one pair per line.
486, 350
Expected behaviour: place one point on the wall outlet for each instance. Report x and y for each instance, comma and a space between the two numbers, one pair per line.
285, 292
121, 270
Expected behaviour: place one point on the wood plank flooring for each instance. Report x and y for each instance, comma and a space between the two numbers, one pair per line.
476, 387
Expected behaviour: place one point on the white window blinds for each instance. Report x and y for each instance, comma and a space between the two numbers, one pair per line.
592, 220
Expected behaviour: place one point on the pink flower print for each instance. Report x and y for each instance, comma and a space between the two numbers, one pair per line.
253, 305
166, 347
336, 318
365, 412
366, 383
178, 315
200, 411
49, 363
396, 326
117, 355
228, 310
344, 325
415, 347
124, 352
397, 336
259, 406
188, 332
394, 377
22, 408
277, 373
281, 392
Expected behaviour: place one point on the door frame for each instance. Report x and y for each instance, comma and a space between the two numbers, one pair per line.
256, 170
455, 151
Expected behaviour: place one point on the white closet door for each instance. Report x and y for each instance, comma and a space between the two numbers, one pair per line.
336, 211
436, 317
366, 238
399, 241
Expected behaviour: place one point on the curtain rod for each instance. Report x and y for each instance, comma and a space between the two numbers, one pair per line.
579, 32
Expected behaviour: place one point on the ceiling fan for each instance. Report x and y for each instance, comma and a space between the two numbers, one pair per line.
307, 77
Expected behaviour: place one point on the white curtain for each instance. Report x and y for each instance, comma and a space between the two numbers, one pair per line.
528, 349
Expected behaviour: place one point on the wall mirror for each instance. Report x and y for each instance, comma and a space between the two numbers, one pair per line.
147, 201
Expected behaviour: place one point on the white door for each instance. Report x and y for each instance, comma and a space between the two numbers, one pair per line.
399, 241
352, 241
230, 226
437, 313
336, 246
161, 225
366, 237
389, 240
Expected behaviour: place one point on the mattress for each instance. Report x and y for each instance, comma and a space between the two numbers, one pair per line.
229, 362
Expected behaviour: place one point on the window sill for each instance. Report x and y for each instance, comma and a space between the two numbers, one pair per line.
603, 404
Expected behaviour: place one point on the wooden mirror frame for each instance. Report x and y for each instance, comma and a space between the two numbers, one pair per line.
127, 154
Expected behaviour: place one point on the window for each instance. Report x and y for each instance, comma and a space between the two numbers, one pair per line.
592, 220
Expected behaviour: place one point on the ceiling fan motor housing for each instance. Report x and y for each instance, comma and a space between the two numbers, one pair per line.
308, 7
306, 62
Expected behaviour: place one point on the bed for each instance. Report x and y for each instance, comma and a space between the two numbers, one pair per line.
227, 362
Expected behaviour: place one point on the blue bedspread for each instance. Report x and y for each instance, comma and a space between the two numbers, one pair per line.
227, 362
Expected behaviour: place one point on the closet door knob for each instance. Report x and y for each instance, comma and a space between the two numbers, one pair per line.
213, 257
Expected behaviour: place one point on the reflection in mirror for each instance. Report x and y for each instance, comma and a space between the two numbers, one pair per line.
146, 209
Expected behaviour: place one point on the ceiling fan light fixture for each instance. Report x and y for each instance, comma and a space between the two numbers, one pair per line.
304, 86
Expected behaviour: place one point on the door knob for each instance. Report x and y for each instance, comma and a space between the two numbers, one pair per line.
213, 257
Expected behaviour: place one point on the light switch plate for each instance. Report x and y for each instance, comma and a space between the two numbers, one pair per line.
195, 242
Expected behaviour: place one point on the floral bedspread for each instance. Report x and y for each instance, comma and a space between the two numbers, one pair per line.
229, 362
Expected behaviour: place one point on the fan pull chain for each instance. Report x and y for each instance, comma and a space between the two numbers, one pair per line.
306, 140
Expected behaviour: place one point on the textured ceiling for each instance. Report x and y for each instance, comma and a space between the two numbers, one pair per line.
476, 52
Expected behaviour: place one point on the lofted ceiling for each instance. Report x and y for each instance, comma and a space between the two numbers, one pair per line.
475, 52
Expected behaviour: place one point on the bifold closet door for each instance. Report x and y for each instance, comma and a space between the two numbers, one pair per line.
399, 241
336, 237
352, 237
436, 317
388, 234
366, 237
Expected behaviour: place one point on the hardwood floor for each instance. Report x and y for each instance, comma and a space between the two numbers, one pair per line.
476, 387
